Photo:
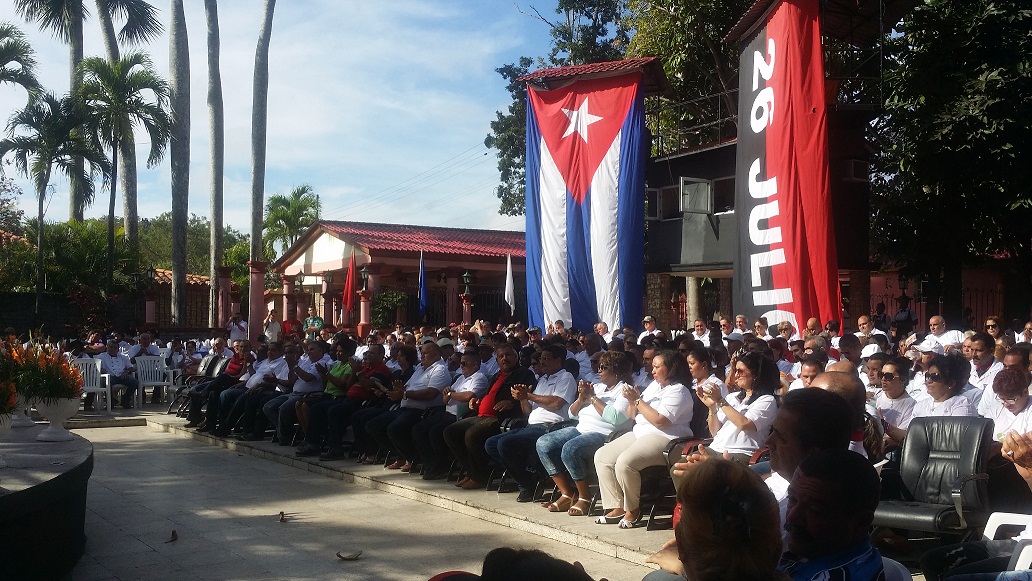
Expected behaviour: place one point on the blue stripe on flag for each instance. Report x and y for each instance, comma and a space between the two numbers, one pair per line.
634, 153
535, 301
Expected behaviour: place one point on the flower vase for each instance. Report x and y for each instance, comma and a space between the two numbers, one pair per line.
21, 418
5, 426
56, 412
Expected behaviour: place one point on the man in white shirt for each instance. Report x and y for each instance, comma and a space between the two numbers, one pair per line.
649, 322
726, 328
263, 377
281, 410
866, 329
428, 434
421, 394
700, 333
144, 347
237, 328
603, 331
548, 403
742, 325
948, 339
488, 363
119, 368
984, 368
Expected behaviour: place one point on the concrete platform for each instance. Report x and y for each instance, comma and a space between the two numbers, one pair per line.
631, 545
224, 505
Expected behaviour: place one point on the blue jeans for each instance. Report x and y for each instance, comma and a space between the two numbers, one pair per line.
571, 451
514, 450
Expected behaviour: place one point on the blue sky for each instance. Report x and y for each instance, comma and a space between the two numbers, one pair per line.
381, 107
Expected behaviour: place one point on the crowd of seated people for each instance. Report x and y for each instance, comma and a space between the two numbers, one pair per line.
576, 407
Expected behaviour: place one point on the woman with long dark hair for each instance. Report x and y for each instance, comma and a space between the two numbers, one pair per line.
741, 422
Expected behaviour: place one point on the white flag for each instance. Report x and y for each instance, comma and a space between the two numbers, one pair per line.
510, 288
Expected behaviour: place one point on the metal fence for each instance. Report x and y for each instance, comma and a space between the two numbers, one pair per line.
978, 304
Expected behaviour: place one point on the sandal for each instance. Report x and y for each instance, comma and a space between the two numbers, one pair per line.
406, 467
557, 506
577, 509
630, 524
397, 464
608, 520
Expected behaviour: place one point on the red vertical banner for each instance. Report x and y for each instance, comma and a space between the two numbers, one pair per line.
348, 300
786, 267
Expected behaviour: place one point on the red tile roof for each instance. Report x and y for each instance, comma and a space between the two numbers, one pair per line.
655, 81
402, 237
165, 277
8, 237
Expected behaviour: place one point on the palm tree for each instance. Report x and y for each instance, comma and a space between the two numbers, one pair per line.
287, 217
259, 132
47, 132
141, 25
120, 94
17, 59
179, 150
65, 18
217, 156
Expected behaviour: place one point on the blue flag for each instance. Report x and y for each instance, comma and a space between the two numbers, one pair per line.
424, 293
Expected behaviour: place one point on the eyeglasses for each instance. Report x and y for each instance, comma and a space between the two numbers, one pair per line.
888, 376
602, 368
933, 377
991, 326
1009, 400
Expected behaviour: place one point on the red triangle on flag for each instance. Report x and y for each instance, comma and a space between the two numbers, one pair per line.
579, 122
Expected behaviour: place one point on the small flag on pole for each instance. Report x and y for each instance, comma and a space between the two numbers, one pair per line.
424, 292
510, 288
349, 288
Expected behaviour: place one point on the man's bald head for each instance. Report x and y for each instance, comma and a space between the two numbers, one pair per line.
846, 384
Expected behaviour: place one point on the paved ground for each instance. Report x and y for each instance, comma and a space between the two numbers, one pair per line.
224, 507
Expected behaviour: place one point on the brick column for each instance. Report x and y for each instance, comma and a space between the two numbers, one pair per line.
657, 301
256, 310
226, 308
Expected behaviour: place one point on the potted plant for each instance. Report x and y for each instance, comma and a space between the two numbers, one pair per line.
43, 376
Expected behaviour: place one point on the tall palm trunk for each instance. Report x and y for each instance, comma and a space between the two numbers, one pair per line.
259, 129
76, 197
108, 282
127, 159
216, 136
41, 193
179, 153
259, 119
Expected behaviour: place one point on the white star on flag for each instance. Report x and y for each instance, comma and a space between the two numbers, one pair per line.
579, 120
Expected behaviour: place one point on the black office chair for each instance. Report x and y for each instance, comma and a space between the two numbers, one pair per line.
943, 475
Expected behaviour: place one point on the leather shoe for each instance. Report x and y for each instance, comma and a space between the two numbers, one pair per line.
471, 485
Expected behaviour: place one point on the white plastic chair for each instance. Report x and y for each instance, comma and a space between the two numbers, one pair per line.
1021, 558
92, 380
152, 372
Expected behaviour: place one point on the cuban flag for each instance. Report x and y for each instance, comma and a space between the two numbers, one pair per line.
586, 154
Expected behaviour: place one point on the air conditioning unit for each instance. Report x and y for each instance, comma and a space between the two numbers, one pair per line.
696, 196
857, 171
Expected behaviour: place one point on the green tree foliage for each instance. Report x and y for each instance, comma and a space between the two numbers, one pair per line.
156, 242
119, 95
952, 164
48, 132
288, 216
10, 215
17, 59
587, 31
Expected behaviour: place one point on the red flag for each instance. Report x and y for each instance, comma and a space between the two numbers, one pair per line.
786, 267
349, 287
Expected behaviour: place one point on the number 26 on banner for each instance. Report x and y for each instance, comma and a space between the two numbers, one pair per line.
763, 103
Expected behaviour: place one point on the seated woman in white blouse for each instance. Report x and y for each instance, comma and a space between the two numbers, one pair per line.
895, 406
660, 414
1010, 388
946, 377
741, 422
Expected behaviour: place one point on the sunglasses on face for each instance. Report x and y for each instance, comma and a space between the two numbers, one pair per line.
991, 326
888, 376
933, 377
602, 368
